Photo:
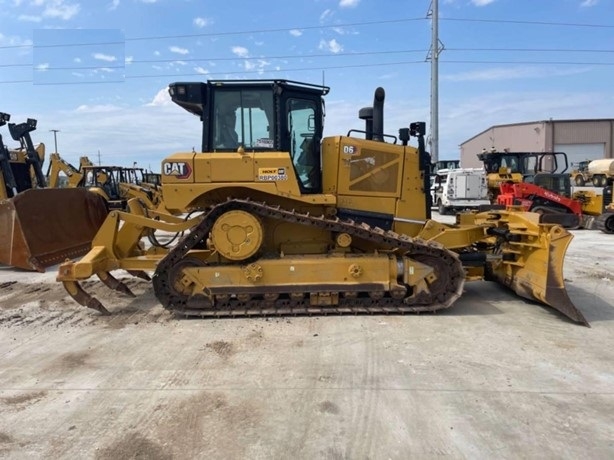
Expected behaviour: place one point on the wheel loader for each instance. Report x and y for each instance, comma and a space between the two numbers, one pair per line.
284, 221
40, 227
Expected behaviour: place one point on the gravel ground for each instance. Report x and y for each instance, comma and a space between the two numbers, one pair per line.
494, 376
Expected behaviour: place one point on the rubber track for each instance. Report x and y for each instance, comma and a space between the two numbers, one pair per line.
447, 265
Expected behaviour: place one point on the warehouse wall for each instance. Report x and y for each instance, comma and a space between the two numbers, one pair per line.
540, 136
521, 137
582, 132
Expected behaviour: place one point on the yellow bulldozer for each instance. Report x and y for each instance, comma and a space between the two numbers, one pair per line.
287, 221
40, 226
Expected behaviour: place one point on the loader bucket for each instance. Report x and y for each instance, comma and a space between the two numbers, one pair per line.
536, 272
43, 227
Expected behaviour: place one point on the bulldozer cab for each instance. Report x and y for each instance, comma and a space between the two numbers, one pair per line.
260, 116
105, 179
524, 163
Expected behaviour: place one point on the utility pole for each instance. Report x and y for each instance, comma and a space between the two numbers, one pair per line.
55, 138
436, 48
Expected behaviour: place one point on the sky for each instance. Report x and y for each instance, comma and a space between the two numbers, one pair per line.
98, 71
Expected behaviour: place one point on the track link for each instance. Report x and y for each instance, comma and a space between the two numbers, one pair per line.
444, 291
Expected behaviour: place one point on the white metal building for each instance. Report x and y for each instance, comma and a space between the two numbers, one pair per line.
587, 139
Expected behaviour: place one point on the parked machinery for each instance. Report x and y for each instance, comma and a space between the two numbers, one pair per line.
579, 175
601, 172
289, 222
40, 227
58, 167
516, 167
551, 196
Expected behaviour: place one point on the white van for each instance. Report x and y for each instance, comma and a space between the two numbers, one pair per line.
458, 189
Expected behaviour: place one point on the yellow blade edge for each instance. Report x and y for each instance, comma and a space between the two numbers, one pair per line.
537, 272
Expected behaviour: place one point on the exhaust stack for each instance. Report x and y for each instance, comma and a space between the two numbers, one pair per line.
374, 117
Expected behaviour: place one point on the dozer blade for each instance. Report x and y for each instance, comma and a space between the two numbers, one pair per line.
533, 269
43, 227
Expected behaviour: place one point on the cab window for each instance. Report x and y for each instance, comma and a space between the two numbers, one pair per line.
304, 143
243, 117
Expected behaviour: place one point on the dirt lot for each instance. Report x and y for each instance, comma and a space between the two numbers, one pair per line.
495, 376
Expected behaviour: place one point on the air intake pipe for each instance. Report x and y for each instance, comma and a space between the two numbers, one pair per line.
366, 114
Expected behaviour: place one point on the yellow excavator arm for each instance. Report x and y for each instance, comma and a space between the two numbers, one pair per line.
58, 165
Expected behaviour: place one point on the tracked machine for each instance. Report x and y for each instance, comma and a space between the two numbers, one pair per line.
283, 221
517, 167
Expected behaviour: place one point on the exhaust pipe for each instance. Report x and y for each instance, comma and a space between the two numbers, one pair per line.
374, 117
378, 114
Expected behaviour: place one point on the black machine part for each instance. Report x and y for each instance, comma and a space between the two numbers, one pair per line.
21, 133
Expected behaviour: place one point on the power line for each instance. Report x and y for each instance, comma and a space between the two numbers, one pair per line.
219, 34
323, 55
319, 27
539, 50
536, 23
303, 69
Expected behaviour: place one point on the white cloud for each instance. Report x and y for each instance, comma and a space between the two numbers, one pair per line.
512, 73
107, 70
78, 74
156, 53
14, 40
104, 57
17, 2
77, 60
296, 32
29, 18
331, 45
179, 63
589, 3
348, 3
60, 9
114, 4
258, 65
161, 98
326, 14
100, 108
42, 67
201, 70
148, 1
240, 51
482, 2
201, 22
178, 50
128, 59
